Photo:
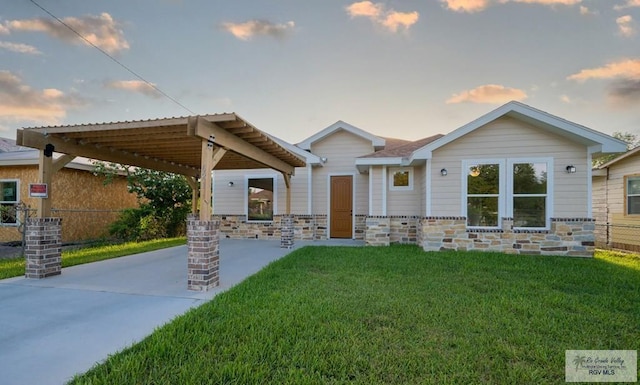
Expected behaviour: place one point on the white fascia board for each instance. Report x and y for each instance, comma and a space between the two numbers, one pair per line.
376, 141
363, 163
517, 110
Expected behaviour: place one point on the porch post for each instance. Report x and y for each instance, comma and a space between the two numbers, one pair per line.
287, 222
43, 247
203, 257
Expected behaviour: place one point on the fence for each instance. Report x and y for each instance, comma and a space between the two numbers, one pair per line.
623, 237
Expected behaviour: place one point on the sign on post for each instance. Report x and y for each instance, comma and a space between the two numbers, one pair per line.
38, 190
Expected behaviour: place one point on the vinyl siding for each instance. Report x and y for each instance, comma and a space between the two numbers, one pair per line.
231, 200
376, 184
340, 148
509, 138
405, 202
616, 193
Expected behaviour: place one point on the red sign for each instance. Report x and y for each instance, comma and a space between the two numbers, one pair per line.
38, 190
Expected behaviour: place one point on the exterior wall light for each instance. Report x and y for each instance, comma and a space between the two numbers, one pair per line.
230, 184
323, 160
443, 172
571, 169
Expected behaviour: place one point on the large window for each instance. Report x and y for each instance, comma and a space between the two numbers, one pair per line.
401, 179
260, 195
633, 195
529, 194
517, 188
9, 190
483, 194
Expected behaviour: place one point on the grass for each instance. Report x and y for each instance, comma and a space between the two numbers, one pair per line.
393, 315
14, 267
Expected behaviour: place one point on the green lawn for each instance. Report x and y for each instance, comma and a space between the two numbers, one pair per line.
394, 315
14, 267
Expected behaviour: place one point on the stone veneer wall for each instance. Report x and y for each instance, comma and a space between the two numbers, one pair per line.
567, 236
305, 227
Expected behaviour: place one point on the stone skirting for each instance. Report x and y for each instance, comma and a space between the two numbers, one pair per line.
567, 236
43, 247
305, 227
203, 254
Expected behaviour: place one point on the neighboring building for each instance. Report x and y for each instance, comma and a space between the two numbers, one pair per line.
515, 180
616, 202
86, 205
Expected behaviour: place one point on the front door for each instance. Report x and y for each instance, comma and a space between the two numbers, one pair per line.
341, 204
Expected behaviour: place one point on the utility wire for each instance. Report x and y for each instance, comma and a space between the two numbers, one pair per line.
113, 58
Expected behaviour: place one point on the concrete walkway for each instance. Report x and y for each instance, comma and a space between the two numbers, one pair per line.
54, 328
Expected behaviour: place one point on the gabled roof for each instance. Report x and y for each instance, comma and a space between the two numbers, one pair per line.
620, 157
397, 155
376, 141
594, 140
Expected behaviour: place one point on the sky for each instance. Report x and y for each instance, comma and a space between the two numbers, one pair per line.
405, 68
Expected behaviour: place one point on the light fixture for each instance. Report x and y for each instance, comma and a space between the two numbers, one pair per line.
571, 169
323, 160
474, 171
443, 172
230, 184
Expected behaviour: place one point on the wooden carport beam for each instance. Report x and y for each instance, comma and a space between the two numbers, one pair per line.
221, 137
47, 166
210, 158
34, 139
287, 183
195, 191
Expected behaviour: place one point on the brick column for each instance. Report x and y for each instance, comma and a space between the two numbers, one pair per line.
286, 231
43, 247
203, 256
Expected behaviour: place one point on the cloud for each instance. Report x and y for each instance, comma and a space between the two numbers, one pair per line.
4, 30
628, 69
628, 4
626, 26
19, 102
566, 99
100, 30
471, 6
376, 12
625, 91
490, 93
137, 86
247, 30
586, 11
19, 48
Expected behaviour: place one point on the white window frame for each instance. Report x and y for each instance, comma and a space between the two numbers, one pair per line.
549, 195
2, 202
627, 195
393, 170
506, 195
246, 196
466, 164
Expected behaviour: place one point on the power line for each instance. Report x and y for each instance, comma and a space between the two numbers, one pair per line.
113, 58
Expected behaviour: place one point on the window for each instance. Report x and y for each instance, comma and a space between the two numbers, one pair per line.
8, 200
483, 194
517, 188
401, 179
633, 195
529, 194
260, 199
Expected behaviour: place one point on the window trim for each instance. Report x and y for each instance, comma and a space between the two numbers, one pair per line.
275, 196
548, 195
17, 181
392, 171
466, 164
505, 189
626, 194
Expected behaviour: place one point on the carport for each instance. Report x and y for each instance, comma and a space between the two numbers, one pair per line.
192, 146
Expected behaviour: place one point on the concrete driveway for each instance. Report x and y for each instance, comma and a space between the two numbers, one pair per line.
53, 328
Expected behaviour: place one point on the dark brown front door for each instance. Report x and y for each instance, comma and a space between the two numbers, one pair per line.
341, 207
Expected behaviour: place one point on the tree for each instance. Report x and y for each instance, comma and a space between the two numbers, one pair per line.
164, 198
632, 140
